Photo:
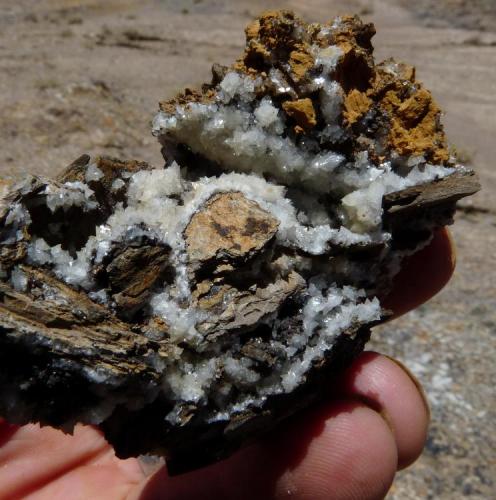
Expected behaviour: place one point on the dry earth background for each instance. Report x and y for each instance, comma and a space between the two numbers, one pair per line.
86, 76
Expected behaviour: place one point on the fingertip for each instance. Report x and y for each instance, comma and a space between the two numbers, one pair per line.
355, 456
392, 390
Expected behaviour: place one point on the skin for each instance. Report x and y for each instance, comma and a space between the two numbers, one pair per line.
348, 447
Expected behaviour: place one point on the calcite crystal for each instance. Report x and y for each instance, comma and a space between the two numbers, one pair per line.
189, 308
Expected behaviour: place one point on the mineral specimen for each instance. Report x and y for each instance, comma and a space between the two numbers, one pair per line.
189, 308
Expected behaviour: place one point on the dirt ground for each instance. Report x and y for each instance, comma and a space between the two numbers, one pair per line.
85, 76
469, 14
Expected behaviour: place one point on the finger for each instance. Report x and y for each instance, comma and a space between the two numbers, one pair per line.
95, 481
423, 274
336, 451
386, 386
32, 458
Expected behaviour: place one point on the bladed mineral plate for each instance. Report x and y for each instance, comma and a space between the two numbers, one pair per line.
187, 309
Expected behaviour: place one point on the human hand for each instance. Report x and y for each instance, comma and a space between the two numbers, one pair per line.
349, 446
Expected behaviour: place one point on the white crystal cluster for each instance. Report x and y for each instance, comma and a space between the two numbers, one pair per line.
328, 312
243, 134
247, 135
70, 194
250, 138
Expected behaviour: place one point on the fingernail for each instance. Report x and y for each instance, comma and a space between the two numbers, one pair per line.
416, 382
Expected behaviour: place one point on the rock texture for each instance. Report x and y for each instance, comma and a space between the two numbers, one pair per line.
230, 227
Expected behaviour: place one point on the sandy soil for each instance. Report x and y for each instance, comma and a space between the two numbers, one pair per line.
86, 76
468, 14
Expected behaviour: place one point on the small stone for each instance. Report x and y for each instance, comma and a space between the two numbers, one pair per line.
356, 105
300, 62
133, 272
228, 227
302, 112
